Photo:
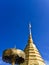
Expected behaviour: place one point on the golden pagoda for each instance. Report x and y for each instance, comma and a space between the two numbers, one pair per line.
33, 56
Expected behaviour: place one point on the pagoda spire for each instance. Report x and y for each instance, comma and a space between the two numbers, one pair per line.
32, 55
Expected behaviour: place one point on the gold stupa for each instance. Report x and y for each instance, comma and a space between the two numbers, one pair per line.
33, 56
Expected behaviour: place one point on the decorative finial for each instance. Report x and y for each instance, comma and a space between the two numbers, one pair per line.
15, 46
30, 28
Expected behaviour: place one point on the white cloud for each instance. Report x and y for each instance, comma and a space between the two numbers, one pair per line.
3, 63
47, 62
0, 60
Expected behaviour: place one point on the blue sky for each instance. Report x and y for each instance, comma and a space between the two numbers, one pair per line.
15, 16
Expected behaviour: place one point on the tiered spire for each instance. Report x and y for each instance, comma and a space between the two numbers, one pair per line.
33, 56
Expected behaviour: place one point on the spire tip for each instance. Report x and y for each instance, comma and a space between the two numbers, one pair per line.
15, 46
30, 28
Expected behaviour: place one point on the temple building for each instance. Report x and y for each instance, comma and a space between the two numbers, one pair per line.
33, 56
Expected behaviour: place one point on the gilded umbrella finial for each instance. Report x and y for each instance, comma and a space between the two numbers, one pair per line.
13, 56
